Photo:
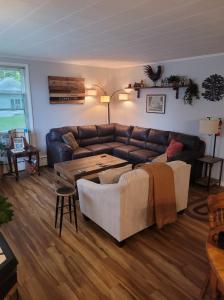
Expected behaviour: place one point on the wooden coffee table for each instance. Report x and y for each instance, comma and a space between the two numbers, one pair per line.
69, 172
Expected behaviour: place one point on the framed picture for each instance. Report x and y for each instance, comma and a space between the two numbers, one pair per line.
18, 144
155, 104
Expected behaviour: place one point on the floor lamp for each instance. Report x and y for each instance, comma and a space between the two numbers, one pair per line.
209, 126
122, 96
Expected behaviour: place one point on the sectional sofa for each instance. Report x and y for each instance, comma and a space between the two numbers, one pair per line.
133, 143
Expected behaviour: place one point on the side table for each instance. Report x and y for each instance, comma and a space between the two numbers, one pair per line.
29, 151
209, 161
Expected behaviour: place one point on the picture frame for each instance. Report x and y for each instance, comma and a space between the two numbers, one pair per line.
18, 144
156, 103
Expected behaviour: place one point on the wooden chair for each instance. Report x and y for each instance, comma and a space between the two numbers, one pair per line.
216, 225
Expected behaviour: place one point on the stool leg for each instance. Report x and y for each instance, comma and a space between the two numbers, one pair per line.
56, 212
62, 212
70, 208
75, 215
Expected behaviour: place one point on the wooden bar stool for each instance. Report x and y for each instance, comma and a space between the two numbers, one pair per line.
62, 193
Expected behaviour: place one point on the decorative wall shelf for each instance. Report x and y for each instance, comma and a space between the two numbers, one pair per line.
138, 90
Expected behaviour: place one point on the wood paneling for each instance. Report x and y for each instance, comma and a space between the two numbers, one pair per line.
155, 264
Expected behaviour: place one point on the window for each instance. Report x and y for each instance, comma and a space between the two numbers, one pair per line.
13, 98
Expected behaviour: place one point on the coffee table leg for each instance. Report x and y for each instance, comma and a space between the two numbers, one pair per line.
16, 167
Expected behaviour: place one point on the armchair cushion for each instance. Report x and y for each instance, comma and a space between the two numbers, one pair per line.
113, 175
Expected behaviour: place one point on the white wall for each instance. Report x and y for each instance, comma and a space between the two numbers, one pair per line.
179, 116
48, 115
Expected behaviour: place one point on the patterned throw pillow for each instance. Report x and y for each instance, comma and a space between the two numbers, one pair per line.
70, 140
113, 175
173, 148
161, 158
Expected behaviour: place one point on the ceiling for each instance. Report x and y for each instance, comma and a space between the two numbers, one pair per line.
111, 33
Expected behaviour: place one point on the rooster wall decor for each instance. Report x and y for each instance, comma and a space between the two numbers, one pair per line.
154, 76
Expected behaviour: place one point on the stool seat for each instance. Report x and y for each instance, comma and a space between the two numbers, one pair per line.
65, 191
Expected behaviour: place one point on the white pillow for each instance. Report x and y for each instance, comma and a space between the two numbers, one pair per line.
113, 175
161, 158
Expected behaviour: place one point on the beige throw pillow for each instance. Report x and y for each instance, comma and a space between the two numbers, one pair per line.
113, 175
70, 140
161, 158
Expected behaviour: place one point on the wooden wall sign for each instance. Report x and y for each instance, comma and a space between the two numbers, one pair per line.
66, 90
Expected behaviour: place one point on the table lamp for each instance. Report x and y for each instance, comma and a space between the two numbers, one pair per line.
209, 126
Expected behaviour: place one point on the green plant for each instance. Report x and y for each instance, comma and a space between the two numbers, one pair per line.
6, 212
174, 79
191, 92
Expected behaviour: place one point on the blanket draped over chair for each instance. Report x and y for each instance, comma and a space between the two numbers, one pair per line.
161, 192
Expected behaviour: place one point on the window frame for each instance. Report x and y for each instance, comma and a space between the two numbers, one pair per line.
28, 90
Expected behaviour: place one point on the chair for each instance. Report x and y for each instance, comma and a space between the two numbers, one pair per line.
216, 225
62, 193
122, 209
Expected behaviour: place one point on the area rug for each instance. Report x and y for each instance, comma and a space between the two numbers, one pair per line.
197, 203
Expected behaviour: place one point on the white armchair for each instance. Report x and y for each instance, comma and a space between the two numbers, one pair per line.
122, 209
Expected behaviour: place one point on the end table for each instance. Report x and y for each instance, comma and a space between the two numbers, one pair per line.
209, 161
29, 151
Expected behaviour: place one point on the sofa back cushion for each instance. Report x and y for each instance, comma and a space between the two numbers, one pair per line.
88, 135
190, 142
122, 133
139, 136
157, 140
105, 133
55, 134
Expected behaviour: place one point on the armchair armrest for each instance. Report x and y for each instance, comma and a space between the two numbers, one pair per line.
58, 152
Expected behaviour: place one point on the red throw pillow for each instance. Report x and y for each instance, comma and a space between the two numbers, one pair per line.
173, 148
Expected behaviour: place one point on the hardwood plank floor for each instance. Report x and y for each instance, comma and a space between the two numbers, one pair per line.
154, 264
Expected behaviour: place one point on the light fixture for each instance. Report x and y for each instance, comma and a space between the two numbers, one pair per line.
91, 92
123, 97
211, 127
105, 99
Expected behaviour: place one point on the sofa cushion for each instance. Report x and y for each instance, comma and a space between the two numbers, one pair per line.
190, 142
113, 175
123, 151
99, 148
139, 133
122, 133
81, 152
105, 132
69, 139
55, 134
156, 147
142, 155
158, 137
113, 145
174, 148
88, 135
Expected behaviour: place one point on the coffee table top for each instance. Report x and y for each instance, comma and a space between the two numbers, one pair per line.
75, 169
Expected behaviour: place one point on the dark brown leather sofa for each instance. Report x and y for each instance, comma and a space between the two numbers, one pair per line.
133, 143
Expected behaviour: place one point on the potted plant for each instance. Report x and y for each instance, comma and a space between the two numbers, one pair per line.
191, 92
2, 151
6, 212
174, 81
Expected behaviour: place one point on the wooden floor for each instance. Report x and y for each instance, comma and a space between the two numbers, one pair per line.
154, 264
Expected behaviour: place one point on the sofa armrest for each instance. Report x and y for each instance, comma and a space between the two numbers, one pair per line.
187, 155
58, 152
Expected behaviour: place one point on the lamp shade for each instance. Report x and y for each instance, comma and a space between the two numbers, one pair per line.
105, 99
123, 97
208, 126
91, 92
